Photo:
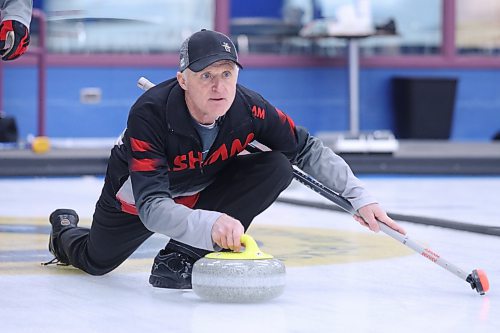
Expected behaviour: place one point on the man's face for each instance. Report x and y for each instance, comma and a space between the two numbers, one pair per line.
210, 92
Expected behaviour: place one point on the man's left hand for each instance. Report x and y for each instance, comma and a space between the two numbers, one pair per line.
369, 214
14, 39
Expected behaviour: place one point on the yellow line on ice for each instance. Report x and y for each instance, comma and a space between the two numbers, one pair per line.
295, 246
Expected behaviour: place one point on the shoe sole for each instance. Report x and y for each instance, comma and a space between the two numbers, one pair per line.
162, 282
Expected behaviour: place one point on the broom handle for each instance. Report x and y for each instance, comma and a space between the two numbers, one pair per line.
343, 203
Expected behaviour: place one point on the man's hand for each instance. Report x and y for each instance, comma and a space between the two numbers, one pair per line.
14, 39
369, 215
226, 232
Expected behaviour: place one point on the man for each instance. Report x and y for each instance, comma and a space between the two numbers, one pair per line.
14, 29
177, 170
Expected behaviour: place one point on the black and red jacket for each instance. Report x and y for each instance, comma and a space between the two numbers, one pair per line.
156, 170
158, 164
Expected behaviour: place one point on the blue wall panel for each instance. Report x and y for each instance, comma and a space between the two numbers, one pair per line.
256, 8
68, 117
316, 98
20, 98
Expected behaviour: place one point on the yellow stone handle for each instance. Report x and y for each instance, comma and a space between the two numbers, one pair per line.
251, 251
250, 244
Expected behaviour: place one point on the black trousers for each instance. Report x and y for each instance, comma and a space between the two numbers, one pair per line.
244, 189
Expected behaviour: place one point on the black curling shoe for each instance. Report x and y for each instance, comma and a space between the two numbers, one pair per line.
172, 270
60, 219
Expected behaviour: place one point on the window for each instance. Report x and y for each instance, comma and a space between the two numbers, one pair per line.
478, 27
405, 27
124, 26
402, 27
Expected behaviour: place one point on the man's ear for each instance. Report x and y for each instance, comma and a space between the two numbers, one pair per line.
182, 80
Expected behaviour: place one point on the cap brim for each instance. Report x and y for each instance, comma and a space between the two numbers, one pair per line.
203, 63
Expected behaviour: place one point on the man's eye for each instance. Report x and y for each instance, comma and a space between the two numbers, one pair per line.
227, 74
206, 76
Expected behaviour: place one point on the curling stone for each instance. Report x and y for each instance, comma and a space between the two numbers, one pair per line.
239, 277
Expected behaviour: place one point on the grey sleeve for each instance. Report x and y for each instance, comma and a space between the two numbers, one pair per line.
189, 226
330, 169
18, 10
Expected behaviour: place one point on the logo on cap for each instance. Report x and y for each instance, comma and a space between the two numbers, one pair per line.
226, 46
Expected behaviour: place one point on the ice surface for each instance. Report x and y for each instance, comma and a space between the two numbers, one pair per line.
340, 276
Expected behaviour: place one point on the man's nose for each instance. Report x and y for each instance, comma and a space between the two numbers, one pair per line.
216, 82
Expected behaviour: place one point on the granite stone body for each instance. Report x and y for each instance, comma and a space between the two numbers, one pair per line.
238, 281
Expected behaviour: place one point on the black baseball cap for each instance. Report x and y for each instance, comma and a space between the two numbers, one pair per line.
205, 47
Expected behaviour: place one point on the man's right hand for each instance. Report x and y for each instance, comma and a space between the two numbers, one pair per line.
227, 231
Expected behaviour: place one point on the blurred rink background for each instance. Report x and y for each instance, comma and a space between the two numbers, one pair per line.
406, 92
